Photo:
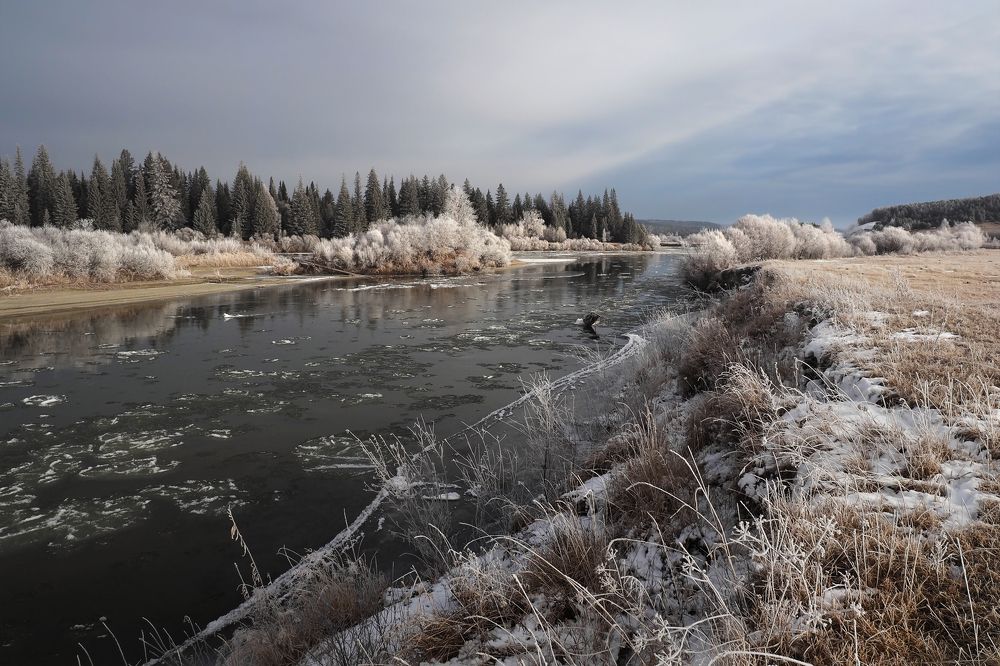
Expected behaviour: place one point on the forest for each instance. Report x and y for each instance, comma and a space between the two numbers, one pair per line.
930, 214
157, 195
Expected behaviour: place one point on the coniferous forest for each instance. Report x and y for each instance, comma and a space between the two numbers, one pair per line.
156, 194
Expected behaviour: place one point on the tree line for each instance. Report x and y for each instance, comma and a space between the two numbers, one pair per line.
156, 194
931, 213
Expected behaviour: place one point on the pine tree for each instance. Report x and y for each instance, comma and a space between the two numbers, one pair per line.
101, 199
63, 204
300, 218
22, 205
517, 209
119, 191
391, 200
266, 220
491, 210
41, 183
223, 206
424, 194
204, 214
439, 192
502, 207
374, 205
343, 217
560, 216
164, 206
360, 222
409, 197
130, 219
6, 191
243, 201
141, 202
327, 212
479, 205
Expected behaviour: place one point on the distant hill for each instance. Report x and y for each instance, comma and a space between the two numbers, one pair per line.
679, 227
984, 211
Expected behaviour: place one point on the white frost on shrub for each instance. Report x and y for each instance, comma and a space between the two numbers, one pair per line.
760, 237
37, 254
421, 244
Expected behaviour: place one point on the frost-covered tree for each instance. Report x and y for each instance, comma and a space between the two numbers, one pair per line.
141, 201
164, 206
204, 214
343, 216
458, 207
266, 220
374, 203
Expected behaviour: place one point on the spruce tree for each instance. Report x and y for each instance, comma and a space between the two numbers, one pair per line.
266, 220
119, 191
409, 197
41, 183
164, 206
6, 191
223, 206
360, 222
22, 205
63, 204
300, 218
502, 207
101, 199
343, 217
243, 201
374, 205
140, 202
391, 200
204, 214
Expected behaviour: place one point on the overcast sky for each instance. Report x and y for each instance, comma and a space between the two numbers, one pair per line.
701, 110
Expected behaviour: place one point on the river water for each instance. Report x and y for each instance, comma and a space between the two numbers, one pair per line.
126, 433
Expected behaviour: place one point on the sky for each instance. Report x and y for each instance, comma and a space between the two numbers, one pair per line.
701, 111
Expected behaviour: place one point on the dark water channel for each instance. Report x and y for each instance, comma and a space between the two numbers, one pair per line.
125, 434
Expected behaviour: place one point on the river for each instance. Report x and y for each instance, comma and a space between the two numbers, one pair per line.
126, 433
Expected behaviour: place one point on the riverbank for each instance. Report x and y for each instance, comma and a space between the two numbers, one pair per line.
802, 472
40, 303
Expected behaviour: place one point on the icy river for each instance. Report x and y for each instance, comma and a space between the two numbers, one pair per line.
125, 434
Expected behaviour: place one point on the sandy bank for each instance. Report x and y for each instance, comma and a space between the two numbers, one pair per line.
41, 303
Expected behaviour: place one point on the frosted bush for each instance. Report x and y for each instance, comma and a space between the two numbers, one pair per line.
22, 254
759, 237
414, 245
51, 254
554, 234
715, 253
767, 238
893, 240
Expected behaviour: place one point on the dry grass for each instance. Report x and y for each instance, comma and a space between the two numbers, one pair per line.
245, 259
328, 603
